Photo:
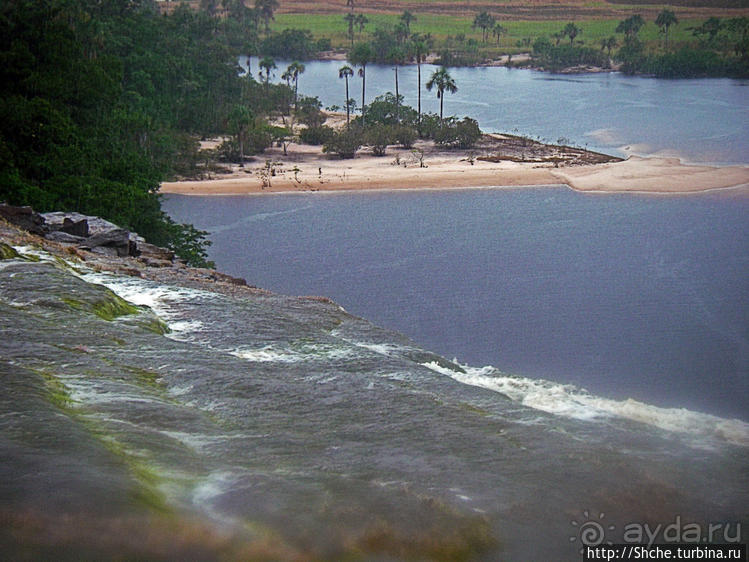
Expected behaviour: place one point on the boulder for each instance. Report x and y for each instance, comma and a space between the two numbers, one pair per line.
117, 238
23, 217
223, 277
109, 251
76, 228
155, 262
56, 219
96, 225
149, 250
64, 237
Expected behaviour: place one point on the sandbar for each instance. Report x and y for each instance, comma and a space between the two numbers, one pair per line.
306, 168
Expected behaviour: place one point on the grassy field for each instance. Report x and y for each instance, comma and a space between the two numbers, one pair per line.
441, 26
524, 9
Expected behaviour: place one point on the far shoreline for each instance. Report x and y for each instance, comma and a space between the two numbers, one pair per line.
305, 169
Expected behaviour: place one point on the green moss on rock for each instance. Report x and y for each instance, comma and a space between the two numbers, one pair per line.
57, 393
113, 306
155, 325
107, 307
146, 377
7, 252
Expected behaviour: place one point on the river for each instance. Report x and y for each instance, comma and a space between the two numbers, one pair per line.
701, 120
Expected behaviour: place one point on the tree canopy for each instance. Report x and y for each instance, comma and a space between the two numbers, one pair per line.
102, 101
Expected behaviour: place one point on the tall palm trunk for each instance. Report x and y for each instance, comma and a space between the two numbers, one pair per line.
347, 98
442, 99
418, 73
363, 88
397, 100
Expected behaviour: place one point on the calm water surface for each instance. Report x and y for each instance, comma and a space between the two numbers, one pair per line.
698, 120
626, 296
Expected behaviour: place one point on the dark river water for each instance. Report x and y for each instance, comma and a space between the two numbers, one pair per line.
627, 296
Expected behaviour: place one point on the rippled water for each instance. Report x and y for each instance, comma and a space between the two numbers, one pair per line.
284, 419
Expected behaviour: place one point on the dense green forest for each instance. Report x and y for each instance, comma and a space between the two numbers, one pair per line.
101, 101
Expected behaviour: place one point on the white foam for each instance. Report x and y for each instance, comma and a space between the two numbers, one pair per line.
387, 349
572, 402
215, 485
266, 354
295, 353
159, 298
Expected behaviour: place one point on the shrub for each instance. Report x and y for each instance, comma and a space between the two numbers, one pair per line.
290, 44
308, 111
344, 143
379, 136
405, 135
458, 134
563, 56
385, 111
316, 135
430, 124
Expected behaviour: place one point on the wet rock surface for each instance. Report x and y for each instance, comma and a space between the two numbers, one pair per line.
271, 427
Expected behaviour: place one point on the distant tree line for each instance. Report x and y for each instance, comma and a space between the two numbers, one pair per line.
720, 48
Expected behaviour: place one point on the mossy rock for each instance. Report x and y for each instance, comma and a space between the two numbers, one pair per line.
107, 306
113, 306
155, 324
7, 252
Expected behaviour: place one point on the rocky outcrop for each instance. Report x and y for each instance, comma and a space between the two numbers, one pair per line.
23, 217
107, 247
97, 235
111, 242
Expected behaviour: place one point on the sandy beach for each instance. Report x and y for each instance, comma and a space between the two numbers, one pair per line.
306, 168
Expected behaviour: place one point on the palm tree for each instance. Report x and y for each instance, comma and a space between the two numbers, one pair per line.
265, 9
361, 55
442, 80
498, 30
240, 120
344, 72
630, 26
608, 44
397, 57
296, 68
287, 76
267, 64
665, 20
407, 18
420, 46
401, 33
483, 21
361, 21
571, 31
350, 19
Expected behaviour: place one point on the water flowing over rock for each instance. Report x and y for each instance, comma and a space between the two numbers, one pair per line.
179, 414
